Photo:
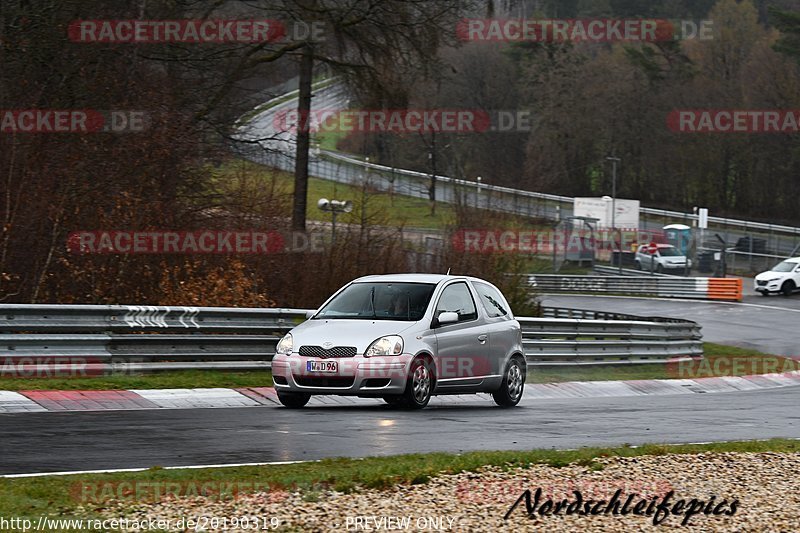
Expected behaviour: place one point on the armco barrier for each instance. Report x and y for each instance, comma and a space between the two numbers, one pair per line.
725, 288
110, 339
662, 286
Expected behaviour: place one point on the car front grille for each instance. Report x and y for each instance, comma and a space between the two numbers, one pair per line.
325, 381
761, 283
330, 353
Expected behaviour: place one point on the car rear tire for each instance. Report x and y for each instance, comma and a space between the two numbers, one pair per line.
419, 387
787, 288
510, 392
293, 400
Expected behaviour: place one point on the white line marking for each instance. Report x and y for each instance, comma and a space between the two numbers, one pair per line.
122, 470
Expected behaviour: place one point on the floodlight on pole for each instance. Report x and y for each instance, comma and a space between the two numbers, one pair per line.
334, 207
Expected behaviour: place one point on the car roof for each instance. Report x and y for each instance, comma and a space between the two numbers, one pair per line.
793, 260
413, 278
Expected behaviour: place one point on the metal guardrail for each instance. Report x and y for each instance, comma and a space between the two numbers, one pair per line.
115, 339
568, 200
662, 286
604, 270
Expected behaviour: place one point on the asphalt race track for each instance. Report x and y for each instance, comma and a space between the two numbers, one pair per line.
770, 325
52, 442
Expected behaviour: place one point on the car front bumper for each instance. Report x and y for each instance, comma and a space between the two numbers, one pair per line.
774, 286
355, 376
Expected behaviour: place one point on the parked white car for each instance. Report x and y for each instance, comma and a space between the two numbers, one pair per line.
782, 278
667, 257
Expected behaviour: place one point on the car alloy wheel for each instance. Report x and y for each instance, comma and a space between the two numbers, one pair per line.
513, 385
420, 384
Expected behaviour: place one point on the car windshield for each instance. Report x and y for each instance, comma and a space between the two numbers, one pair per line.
669, 252
786, 266
381, 301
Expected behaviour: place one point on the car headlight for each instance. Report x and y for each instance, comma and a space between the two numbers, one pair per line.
389, 345
285, 345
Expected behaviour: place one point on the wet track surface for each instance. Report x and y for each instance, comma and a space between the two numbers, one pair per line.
770, 325
48, 442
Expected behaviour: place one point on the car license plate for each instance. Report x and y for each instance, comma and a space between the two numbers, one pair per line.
322, 366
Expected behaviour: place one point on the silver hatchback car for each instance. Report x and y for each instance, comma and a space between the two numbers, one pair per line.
404, 338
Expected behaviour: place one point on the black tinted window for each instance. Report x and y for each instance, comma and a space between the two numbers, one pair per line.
492, 300
456, 298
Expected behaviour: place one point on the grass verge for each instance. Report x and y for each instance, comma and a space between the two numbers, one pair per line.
392, 209
183, 379
63, 495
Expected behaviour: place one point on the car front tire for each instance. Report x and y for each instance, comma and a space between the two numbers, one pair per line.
510, 392
419, 387
293, 400
787, 288
394, 401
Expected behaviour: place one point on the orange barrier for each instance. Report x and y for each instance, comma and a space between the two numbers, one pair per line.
725, 289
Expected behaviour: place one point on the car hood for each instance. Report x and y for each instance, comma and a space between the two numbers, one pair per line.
771, 274
343, 332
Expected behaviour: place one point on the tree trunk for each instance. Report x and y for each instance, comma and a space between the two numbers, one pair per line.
303, 140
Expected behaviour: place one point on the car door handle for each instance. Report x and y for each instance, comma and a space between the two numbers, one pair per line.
482, 338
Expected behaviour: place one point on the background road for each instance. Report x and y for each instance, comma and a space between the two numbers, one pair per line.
770, 325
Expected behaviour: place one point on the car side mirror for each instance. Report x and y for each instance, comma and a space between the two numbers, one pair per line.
311, 313
448, 317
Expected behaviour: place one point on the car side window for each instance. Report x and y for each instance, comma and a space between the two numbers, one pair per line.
456, 298
492, 300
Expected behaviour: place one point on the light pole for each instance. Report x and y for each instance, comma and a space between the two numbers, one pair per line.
478, 194
614, 161
334, 207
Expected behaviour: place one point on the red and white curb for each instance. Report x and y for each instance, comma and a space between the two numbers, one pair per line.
43, 401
